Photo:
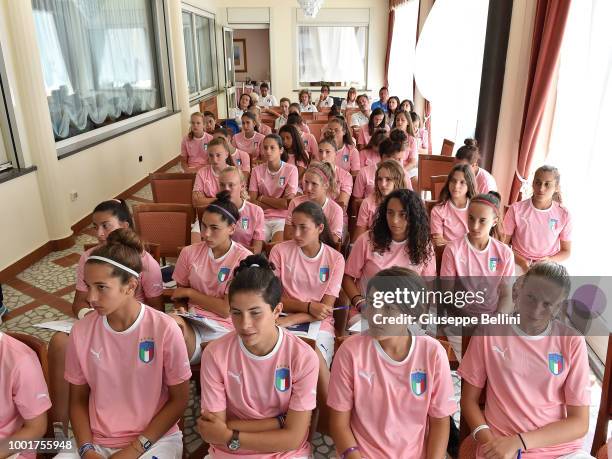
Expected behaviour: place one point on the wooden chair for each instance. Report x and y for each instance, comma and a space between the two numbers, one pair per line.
316, 128
307, 116
437, 183
172, 188
431, 165
605, 405
168, 225
269, 122
40, 349
447, 148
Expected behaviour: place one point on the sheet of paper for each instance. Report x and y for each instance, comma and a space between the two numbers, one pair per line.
58, 325
308, 330
212, 330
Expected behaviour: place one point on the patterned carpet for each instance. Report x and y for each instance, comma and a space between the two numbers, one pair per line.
45, 291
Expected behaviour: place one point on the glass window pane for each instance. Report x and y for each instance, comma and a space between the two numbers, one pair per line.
3, 154
332, 54
189, 52
99, 61
203, 29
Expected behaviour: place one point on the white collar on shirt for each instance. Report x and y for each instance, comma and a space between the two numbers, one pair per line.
274, 350
386, 357
316, 257
524, 335
212, 256
474, 248
131, 328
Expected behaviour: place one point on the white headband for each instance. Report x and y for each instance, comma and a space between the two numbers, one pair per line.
115, 263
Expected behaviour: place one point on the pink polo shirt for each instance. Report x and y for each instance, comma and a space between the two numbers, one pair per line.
281, 183
242, 160
347, 158
310, 144
537, 233
344, 181
195, 150
368, 157
207, 182
367, 211
485, 182
449, 221
250, 228
332, 210
252, 146
389, 398
128, 372
529, 381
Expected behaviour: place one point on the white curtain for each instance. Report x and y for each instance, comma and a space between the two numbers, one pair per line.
98, 59
580, 137
189, 52
332, 54
402, 58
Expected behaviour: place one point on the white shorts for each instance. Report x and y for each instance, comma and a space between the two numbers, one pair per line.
577, 455
325, 344
272, 226
168, 447
204, 334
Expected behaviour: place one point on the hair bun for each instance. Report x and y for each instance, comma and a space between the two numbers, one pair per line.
224, 195
255, 261
471, 142
125, 237
397, 135
495, 194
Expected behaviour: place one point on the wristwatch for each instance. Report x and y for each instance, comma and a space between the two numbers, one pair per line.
145, 442
234, 443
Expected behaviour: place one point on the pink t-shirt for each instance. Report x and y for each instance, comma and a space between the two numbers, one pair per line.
529, 381
368, 157
309, 279
249, 387
537, 233
150, 283
344, 182
310, 144
207, 182
449, 221
363, 135
281, 183
242, 160
479, 270
411, 153
332, 210
388, 398
423, 138
23, 391
347, 158
128, 372
291, 160
195, 150
366, 181
264, 129
363, 263
485, 182
367, 210
252, 146
197, 268
251, 225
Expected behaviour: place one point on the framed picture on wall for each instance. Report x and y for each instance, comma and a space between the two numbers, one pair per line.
240, 57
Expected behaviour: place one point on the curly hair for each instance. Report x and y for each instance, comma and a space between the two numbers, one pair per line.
418, 240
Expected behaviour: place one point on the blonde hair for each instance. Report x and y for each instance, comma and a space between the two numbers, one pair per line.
397, 175
244, 194
323, 168
190, 133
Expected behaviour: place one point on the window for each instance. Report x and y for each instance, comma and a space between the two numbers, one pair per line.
9, 143
332, 54
199, 36
101, 63
402, 59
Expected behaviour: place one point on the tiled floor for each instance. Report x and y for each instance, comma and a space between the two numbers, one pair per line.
45, 291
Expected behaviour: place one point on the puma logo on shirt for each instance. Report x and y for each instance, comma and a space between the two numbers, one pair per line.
236, 376
367, 376
96, 354
503, 353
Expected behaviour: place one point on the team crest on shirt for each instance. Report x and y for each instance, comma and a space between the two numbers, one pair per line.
238, 162
555, 363
146, 350
552, 223
244, 221
345, 158
324, 274
204, 146
418, 382
282, 379
281, 181
493, 264
223, 274
306, 143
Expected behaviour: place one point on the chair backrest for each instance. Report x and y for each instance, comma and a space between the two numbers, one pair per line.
172, 188
308, 116
447, 147
431, 165
316, 129
437, 183
348, 113
168, 225
269, 122
321, 115
605, 405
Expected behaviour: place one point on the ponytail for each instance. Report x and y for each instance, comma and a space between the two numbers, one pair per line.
124, 247
256, 274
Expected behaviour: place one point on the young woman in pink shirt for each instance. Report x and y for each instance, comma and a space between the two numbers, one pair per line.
399, 236
391, 381
449, 216
210, 122
202, 274
309, 141
241, 159
319, 185
469, 154
377, 120
535, 374
370, 154
248, 139
126, 364
259, 126
273, 185
193, 146
347, 156
344, 180
259, 382
107, 217
294, 148
403, 122
540, 228
390, 176
23, 397
420, 131
206, 184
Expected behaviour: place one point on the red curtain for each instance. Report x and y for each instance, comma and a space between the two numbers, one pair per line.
389, 43
550, 20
